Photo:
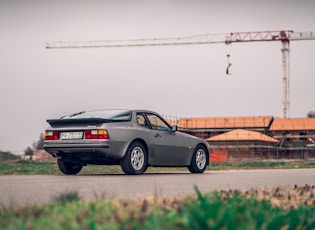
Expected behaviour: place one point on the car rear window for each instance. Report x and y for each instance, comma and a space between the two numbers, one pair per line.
116, 115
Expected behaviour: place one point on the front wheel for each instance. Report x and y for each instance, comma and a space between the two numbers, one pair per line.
199, 160
69, 168
135, 160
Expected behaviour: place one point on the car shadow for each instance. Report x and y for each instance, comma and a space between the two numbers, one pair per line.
145, 174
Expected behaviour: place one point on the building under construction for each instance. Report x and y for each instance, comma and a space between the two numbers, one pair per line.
255, 137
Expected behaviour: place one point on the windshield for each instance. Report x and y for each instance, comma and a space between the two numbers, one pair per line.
116, 114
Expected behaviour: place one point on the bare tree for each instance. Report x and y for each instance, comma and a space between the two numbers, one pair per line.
29, 152
311, 113
39, 145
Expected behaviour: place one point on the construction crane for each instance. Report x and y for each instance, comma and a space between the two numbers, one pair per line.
284, 36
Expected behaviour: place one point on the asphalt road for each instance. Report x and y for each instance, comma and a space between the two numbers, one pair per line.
34, 189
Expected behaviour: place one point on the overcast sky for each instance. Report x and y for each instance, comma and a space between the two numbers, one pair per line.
37, 84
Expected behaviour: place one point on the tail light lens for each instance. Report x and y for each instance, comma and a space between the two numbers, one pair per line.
96, 134
51, 135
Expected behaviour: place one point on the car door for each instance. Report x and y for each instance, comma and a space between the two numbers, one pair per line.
169, 148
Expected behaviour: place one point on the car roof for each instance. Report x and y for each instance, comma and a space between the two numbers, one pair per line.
143, 111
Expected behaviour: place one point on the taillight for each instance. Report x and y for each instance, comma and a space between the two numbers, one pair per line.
51, 135
96, 134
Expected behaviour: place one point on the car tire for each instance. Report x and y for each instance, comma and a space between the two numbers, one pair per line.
199, 160
135, 160
69, 168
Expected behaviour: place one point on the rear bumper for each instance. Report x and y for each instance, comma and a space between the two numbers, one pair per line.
56, 149
86, 150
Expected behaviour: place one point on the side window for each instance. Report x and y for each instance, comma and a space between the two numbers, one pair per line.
157, 123
142, 121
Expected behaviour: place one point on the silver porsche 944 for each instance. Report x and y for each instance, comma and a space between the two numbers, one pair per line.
133, 139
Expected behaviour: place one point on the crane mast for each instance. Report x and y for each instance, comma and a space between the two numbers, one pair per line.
285, 79
284, 36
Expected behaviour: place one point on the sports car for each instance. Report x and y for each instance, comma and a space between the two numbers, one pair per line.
133, 139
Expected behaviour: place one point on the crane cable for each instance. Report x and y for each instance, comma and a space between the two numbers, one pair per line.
228, 54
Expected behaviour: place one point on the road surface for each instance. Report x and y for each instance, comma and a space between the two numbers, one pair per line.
35, 189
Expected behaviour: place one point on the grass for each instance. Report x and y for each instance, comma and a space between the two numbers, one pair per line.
13, 165
278, 208
27, 167
267, 164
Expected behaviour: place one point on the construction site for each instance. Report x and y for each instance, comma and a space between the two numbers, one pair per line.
232, 138
254, 138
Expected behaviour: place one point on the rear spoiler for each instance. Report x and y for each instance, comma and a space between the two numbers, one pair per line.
79, 121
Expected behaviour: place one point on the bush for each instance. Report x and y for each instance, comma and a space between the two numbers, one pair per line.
225, 210
67, 197
7, 156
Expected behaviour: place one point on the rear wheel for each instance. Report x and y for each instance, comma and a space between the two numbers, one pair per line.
69, 168
135, 160
199, 160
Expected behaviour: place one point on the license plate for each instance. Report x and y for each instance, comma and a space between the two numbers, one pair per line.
71, 135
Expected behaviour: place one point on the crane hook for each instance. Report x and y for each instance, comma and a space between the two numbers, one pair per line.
227, 69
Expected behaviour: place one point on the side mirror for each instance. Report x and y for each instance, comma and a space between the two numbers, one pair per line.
174, 129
